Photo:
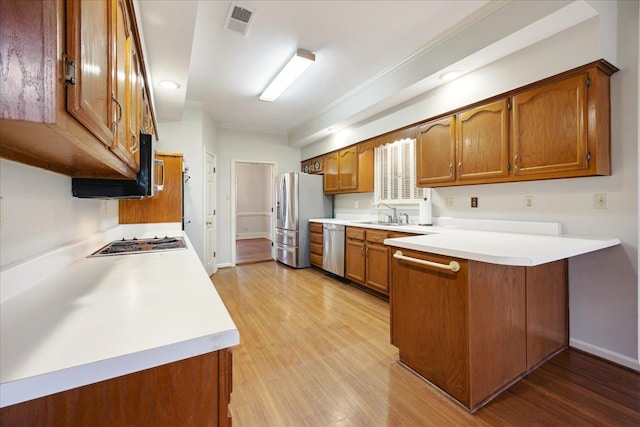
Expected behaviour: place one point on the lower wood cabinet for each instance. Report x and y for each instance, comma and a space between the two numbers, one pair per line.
474, 332
367, 258
190, 392
315, 243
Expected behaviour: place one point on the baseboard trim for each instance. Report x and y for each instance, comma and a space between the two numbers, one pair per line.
256, 235
603, 353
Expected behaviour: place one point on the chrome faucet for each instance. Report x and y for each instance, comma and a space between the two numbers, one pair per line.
394, 217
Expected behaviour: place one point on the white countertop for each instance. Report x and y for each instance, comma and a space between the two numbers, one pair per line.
502, 248
520, 249
99, 318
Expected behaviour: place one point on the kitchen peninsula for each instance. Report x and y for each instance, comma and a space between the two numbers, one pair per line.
474, 312
106, 340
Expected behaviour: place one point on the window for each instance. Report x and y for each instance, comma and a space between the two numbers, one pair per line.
395, 173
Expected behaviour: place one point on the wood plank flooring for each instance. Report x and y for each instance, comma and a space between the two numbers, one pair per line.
253, 250
315, 352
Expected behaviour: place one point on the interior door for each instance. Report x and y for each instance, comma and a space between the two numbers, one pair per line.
210, 213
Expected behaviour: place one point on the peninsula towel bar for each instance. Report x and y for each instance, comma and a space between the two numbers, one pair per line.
453, 265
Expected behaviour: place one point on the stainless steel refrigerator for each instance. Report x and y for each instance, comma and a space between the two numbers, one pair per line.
299, 197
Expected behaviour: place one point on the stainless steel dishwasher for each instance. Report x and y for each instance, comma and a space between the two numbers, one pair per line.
333, 249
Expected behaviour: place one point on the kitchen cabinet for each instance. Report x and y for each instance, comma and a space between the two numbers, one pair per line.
313, 166
69, 86
355, 261
166, 205
469, 147
349, 171
193, 391
315, 243
367, 258
436, 152
556, 128
562, 128
482, 143
473, 332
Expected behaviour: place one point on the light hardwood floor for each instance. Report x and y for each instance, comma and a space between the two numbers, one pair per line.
253, 250
316, 352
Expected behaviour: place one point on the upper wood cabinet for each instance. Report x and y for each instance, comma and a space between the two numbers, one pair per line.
348, 171
313, 166
550, 128
71, 93
436, 152
557, 128
166, 206
482, 142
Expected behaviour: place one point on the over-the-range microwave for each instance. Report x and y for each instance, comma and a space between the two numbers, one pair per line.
145, 184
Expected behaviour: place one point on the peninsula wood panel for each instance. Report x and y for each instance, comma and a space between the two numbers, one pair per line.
190, 392
166, 206
547, 314
463, 331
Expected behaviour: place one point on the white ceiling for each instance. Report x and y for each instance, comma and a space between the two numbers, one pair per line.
370, 55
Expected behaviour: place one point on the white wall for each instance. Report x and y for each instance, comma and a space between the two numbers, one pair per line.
603, 285
39, 214
245, 146
189, 137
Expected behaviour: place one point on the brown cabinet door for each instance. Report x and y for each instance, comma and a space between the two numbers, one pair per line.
331, 165
124, 143
355, 267
348, 170
549, 128
89, 48
435, 152
483, 142
377, 267
365, 169
166, 206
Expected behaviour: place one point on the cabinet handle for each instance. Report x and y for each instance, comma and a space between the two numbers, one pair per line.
116, 122
515, 162
160, 187
459, 168
453, 265
136, 143
450, 169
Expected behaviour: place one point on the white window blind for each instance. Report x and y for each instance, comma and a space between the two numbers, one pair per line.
395, 173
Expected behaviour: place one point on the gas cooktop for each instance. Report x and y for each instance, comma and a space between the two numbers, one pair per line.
136, 246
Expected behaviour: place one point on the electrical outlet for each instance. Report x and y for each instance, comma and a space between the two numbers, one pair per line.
528, 202
600, 201
474, 202
448, 202
105, 208
357, 202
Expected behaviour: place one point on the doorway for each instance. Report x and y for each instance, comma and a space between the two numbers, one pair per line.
253, 213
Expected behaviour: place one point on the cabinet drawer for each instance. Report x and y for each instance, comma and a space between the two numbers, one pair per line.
315, 238
315, 227
377, 236
315, 259
355, 233
315, 248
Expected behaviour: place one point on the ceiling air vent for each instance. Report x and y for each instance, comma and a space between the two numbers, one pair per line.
239, 19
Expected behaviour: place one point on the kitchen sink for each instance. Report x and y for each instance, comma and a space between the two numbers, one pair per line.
390, 224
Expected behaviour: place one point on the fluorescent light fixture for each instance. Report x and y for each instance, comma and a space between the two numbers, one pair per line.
450, 75
168, 84
299, 62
